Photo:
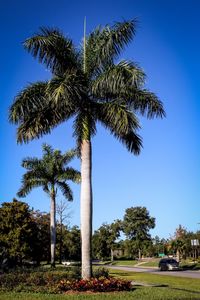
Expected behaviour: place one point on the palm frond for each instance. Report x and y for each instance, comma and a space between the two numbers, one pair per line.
65, 189
46, 188
68, 156
30, 162
104, 45
31, 98
84, 126
28, 185
70, 174
116, 115
53, 49
47, 150
145, 103
41, 121
38, 173
132, 141
122, 124
70, 88
116, 79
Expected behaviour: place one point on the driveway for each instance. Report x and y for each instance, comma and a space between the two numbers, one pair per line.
188, 273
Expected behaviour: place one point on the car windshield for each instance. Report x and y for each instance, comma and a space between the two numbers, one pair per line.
171, 261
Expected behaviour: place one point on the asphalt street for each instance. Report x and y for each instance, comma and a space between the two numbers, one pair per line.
188, 273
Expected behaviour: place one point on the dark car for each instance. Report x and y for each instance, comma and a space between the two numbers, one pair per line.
168, 264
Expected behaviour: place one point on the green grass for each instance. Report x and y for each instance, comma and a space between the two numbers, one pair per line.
130, 263
104, 262
151, 263
144, 293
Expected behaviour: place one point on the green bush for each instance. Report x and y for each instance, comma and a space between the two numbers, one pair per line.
37, 281
101, 272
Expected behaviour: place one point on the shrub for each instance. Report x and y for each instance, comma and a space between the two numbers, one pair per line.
101, 272
37, 281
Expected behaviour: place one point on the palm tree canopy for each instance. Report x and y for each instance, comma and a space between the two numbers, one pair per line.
51, 170
89, 84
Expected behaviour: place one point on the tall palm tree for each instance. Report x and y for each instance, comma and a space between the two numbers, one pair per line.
91, 85
51, 173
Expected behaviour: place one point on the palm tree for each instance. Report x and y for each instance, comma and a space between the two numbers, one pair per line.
51, 173
89, 85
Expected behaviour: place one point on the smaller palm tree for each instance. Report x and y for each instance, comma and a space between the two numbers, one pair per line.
51, 173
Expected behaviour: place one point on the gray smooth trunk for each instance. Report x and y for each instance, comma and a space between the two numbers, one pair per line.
86, 209
53, 227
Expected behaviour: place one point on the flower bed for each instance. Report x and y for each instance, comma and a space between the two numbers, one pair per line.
95, 285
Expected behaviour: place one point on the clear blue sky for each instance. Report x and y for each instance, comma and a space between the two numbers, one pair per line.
165, 177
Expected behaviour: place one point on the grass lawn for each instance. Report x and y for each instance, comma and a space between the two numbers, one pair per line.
140, 293
150, 263
166, 288
130, 263
170, 282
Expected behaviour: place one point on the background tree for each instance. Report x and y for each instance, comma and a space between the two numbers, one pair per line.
159, 245
72, 243
41, 241
136, 225
17, 232
91, 85
50, 172
104, 240
179, 243
192, 251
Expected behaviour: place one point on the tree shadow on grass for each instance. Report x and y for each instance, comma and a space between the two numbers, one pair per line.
191, 267
137, 284
185, 290
121, 274
174, 288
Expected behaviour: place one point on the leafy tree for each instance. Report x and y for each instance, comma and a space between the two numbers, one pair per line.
91, 85
180, 232
41, 239
72, 243
104, 239
17, 231
136, 225
50, 172
160, 245
192, 251
179, 242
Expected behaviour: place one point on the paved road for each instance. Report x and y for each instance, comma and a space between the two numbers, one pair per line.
189, 274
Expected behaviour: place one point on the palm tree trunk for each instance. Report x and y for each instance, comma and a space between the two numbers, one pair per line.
60, 246
86, 208
53, 226
139, 254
